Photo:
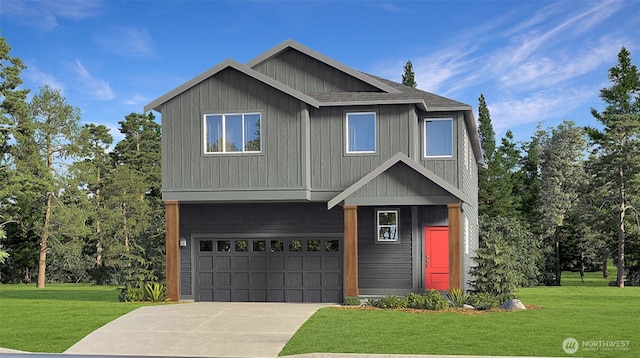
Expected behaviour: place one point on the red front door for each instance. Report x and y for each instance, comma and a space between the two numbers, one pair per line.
436, 249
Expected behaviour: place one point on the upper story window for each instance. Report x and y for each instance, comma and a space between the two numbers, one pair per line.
361, 132
438, 137
232, 133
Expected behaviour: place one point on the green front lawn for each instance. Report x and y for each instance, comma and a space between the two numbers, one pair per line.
56, 317
590, 312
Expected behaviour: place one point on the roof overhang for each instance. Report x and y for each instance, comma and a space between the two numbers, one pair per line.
322, 58
157, 103
400, 157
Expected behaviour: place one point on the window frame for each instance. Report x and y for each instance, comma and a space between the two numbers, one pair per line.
425, 139
224, 116
378, 226
347, 133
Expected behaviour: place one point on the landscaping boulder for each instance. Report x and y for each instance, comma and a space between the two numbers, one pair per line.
468, 307
513, 304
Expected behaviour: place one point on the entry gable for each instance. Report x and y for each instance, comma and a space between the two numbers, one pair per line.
312, 72
390, 168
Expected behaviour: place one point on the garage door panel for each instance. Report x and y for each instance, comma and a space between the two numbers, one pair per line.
277, 270
313, 263
276, 279
258, 263
241, 263
240, 279
205, 263
276, 262
223, 279
295, 263
296, 279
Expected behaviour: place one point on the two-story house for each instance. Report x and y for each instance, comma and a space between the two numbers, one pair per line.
297, 178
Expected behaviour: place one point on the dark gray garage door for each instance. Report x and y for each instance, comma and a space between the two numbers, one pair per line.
269, 270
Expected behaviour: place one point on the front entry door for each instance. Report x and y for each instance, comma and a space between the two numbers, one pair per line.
436, 249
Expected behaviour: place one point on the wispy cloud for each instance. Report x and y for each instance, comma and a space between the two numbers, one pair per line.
44, 15
540, 68
537, 106
128, 41
34, 75
136, 100
97, 88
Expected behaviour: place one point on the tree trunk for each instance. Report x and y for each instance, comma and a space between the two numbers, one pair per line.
557, 249
42, 259
605, 269
621, 232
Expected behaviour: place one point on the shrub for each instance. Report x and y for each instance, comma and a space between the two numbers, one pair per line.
155, 292
415, 300
484, 301
131, 294
457, 297
370, 302
435, 301
393, 302
352, 301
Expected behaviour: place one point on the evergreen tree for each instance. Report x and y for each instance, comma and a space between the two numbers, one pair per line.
618, 144
55, 131
408, 77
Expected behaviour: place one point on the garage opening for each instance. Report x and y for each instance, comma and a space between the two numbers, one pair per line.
269, 269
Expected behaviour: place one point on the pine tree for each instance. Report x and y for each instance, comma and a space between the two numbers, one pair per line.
408, 77
618, 143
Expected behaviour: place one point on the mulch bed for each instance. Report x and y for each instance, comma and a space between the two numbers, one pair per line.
462, 311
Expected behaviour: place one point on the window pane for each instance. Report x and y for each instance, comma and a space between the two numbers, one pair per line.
313, 245
295, 245
233, 133
224, 246
333, 245
361, 132
258, 246
277, 246
252, 132
206, 246
438, 138
213, 126
387, 218
387, 233
241, 246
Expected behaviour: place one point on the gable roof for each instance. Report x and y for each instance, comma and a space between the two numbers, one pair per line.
392, 92
290, 44
155, 104
400, 157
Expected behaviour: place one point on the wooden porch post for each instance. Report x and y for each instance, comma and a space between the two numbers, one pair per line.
455, 245
351, 251
172, 217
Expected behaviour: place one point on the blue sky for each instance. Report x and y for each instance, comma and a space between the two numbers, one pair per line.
535, 61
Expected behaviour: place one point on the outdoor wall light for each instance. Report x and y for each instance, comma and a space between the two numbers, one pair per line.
183, 242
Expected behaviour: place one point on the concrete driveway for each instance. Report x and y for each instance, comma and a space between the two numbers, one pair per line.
200, 330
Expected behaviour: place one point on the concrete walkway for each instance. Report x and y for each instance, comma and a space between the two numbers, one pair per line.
199, 330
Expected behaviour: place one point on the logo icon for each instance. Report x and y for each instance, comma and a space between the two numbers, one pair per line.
570, 345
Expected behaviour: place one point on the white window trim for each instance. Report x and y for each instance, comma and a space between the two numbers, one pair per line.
375, 133
378, 226
424, 135
224, 132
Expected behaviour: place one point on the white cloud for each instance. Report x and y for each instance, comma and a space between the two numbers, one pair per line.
537, 107
97, 88
44, 15
35, 76
126, 41
136, 100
